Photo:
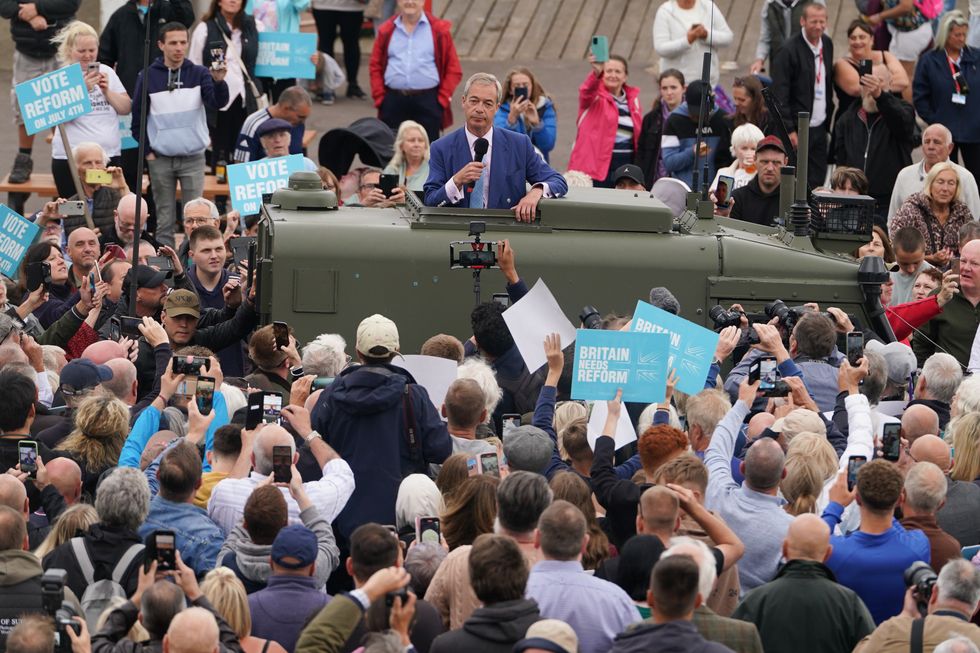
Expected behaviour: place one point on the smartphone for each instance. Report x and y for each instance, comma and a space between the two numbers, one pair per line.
239, 248
489, 464
190, 365
768, 373
427, 529
511, 421
93, 67
855, 348
321, 382
723, 192
129, 327
281, 332
865, 67
954, 266
854, 463
36, 275
520, 93
163, 263
282, 460
27, 456
116, 251
502, 298
204, 394
101, 177
472, 467
72, 207
754, 372
600, 49
272, 407
891, 441
253, 414
91, 282
387, 184
115, 329
165, 550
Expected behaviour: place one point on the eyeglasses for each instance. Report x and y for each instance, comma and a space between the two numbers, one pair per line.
189, 221
370, 186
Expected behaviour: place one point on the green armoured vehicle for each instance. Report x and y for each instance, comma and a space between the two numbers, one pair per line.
324, 269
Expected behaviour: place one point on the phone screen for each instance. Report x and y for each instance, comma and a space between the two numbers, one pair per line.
511, 421
954, 266
165, 553
855, 348
854, 463
768, 373
427, 529
723, 192
472, 467
281, 332
130, 326
489, 464
502, 298
282, 460
204, 394
115, 331
272, 408
27, 456
253, 416
891, 442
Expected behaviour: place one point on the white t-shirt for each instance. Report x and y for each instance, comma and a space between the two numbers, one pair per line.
101, 126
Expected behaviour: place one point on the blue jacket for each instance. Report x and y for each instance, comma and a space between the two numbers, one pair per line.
680, 136
197, 538
281, 610
148, 423
513, 163
543, 136
933, 88
177, 125
362, 416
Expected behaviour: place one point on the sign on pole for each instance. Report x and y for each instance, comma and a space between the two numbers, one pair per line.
608, 360
16, 235
248, 182
285, 55
53, 98
692, 347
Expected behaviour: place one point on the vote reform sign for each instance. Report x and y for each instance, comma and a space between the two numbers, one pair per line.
285, 56
16, 235
692, 347
53, 98
608, 360
248, 182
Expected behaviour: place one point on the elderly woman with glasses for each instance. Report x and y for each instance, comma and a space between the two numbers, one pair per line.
937, 212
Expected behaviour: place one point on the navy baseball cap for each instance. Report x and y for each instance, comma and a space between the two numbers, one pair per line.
82, 374
295, 547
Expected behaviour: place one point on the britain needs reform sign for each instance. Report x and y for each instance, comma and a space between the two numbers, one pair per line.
608, 360
248, 182
692, 347
16, 235
285, 56
53, 98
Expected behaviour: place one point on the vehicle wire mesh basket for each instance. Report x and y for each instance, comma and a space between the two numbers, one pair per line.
846, 215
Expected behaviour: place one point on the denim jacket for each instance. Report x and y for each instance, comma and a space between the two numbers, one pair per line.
197, 537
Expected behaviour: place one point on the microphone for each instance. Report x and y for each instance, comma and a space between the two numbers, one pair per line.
480, 147
665, 300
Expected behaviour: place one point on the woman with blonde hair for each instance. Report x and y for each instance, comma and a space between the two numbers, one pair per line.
570, 487
567, 413
411, 159
78, 43
227, 596
101, 427
73, 521
938, 212
964, 431
810, 462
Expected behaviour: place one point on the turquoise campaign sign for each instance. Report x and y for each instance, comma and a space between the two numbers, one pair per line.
53, 98
285, 56
126, 140
248, 182
692, 347
16, 235
607, 360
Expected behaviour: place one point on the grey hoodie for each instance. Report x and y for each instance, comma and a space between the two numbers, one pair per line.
253, 559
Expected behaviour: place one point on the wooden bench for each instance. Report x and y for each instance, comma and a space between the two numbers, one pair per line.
42, 184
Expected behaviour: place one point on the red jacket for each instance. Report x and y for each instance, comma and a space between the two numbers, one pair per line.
598, 118
447, 63
904, 317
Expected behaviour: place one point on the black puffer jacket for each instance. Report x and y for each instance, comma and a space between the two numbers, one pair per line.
57, 13
491, 629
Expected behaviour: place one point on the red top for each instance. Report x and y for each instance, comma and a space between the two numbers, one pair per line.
914, 313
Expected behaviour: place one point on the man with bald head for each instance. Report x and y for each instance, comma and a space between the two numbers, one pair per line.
753, 510
123, 384
806, 591
192, 631
13, 494
937, 144
919, 420
123, 232
84, 252
958, 515
954, 329
329, 493
923, 496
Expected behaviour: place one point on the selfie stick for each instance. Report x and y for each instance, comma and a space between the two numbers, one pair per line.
144, 96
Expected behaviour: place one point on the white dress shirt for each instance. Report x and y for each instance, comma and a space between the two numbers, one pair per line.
818, 115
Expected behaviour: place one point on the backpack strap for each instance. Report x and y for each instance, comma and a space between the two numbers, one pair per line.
413, 441
124, 562
83, 559
918, 630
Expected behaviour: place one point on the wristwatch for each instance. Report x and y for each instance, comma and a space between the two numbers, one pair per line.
313, 434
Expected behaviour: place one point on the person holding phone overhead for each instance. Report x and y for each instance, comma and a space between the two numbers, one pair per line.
860, 60
683, 30
609, 118
527, 109
78, 43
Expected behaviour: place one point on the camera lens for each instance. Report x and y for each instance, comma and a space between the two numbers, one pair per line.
590, 318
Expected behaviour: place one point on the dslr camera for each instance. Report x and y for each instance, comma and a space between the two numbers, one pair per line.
53, 601
590, 318
724, 319
473, 254
922, 579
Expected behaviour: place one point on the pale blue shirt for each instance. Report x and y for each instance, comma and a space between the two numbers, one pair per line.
412, 58
596, 609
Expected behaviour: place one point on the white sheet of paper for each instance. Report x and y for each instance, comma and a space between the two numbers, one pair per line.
625, 433
432, 373
535, 316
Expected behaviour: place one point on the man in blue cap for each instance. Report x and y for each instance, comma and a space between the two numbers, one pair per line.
281, 610
79, 379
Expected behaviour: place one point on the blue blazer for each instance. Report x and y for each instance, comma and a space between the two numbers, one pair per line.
513, 162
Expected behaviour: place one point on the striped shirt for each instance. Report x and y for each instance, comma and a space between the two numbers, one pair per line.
624, 128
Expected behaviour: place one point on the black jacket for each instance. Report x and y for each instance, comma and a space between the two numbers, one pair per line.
58, 13
218, 30
825, 617
880, 144
753, 205
104, 203
793, 74
648, 637
121, 42
648, 149
113, 638
618, 496
490, 629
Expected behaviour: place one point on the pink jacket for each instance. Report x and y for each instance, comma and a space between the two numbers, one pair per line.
597, 120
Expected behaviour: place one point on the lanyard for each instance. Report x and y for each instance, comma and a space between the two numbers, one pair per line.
952, 71
819, 57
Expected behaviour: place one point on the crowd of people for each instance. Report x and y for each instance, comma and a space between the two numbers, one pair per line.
175, 477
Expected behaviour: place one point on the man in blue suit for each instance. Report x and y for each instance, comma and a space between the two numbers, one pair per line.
482, 167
